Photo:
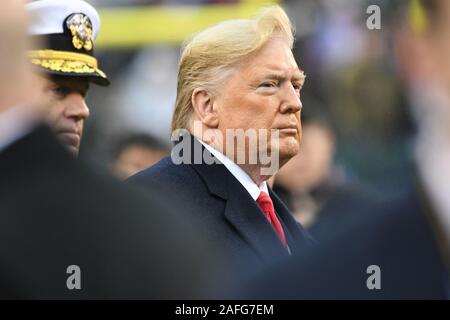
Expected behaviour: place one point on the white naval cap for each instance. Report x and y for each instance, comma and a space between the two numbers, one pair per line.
48, 16
67, 30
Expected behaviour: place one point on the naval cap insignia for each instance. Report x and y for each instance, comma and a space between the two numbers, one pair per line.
80, 27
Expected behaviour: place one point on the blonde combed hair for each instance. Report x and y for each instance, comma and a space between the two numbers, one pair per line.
209, 56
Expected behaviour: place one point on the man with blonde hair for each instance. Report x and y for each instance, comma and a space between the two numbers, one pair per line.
236, 121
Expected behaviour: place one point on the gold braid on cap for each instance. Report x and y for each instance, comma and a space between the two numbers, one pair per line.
65, 61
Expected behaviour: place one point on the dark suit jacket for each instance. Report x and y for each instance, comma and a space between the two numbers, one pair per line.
56, 212
223, 211
397, 237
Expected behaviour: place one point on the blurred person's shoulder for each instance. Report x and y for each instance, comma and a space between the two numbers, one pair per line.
56, 205
395, 237
38, 166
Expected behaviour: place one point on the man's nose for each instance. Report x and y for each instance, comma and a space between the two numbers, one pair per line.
291, 102
76, 107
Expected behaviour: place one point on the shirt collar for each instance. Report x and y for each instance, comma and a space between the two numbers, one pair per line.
252, 188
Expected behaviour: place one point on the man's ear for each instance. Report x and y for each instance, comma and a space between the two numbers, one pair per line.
204, 107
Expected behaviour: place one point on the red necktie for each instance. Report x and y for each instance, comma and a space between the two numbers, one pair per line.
266, 205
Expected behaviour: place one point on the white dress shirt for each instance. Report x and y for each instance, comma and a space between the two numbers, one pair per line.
253, 189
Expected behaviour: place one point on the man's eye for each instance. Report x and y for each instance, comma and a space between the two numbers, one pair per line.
268, 85
84, 93
60, 91
297, 86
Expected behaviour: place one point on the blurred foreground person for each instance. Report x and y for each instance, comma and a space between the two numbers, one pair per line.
135, 153
68, 232
66, 30
238, 76
400, 251
321, 195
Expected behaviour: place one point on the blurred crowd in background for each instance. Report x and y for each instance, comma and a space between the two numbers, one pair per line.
359, 124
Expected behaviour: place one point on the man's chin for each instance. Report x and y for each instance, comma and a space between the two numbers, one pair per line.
288, 151
71, 142
71, 148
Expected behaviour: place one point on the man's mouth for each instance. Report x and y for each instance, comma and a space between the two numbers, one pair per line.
292, 129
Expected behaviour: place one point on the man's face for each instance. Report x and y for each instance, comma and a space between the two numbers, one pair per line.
264, 93
423, 59
438, 47
67, 109
423, 56
136, 158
